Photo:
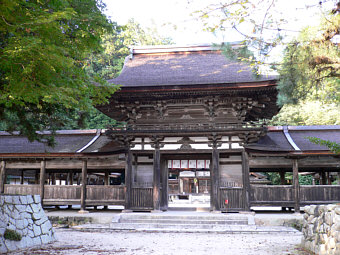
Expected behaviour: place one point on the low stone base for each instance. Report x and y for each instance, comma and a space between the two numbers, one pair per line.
24, 222
83, 212
321, 229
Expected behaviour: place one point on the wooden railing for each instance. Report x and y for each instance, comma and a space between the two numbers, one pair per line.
231, 199
62, 194
283, 195
71, 194
99, 194
32, 189
319, 194
142, 198
271, 195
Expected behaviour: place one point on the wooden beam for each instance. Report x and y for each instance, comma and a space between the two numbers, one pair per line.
83, 187
42, 179
296, 186
107, 163
2, 176
282, 162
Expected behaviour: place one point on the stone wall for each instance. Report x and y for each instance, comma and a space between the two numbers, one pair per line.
321, 229
23, 223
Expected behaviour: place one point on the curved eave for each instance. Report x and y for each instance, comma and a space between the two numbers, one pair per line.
200, 87
290, 153
59, 155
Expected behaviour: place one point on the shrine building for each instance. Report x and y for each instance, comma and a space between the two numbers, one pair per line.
192, 131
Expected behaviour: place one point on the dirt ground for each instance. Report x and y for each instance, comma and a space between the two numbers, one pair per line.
145, 243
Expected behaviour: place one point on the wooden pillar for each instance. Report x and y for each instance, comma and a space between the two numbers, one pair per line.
323, 177
296, 186
83, 187
156, 178
36, 179
107, 183
164, 186
128, 178
246, 181
22, 177
282, 178
71, 178
2, 176
215, 180
329, 182
106, 178
53, 178
42, 179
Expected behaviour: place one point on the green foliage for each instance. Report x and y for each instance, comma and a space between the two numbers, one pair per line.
306, 179
108, 63
311, 67
303, 113
43, 48
12, 235
274, 177
134, 34
241, 53
333, 146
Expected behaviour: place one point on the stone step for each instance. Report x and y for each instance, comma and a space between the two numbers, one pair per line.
181, 221
243, 221
193, 228
168, 226
155, 216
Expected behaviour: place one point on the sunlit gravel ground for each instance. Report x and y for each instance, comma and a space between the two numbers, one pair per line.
104, 243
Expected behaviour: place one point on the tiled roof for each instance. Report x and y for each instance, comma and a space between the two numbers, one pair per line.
277, 141
72, 141
185, 66
67, 141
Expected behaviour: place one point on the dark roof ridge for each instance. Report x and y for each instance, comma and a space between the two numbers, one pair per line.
147, 49
304, 128
58, 132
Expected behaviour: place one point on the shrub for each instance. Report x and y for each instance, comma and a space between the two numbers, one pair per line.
12, 235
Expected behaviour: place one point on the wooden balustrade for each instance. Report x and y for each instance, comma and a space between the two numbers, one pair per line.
272, 195
16, 189
71, 194
232, 199
105, 195
319, 194
141, 198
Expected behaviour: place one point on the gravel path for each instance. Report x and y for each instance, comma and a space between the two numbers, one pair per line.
127, 243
